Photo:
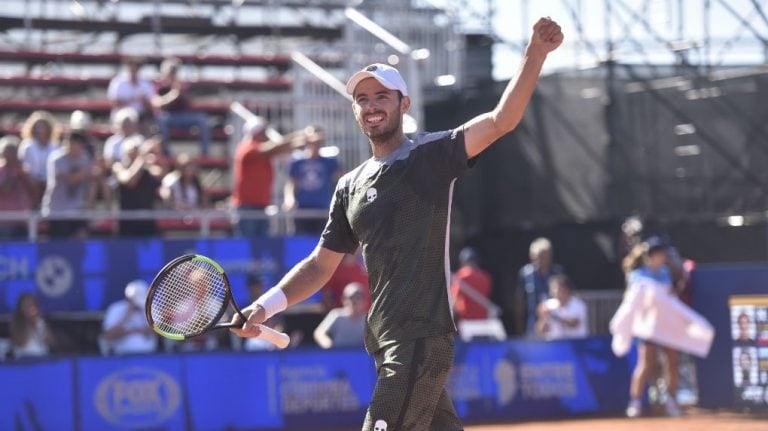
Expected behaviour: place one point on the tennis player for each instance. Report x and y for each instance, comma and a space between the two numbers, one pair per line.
396, 206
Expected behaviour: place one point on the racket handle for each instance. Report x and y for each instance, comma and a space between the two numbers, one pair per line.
275, 337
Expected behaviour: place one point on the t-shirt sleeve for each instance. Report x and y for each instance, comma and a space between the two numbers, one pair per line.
338, 235
451, 153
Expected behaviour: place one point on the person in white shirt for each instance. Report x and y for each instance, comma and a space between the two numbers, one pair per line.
125, 329
344, 326
125, 124
129, 89
563, 315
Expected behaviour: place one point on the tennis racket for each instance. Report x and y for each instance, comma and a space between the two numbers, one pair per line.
190, 295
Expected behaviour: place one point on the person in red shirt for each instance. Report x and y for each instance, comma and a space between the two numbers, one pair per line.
253, 173
349, 271
470, 284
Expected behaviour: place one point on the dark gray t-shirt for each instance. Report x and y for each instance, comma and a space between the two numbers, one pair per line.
398, 209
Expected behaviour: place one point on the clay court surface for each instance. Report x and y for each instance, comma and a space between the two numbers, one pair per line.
692, 421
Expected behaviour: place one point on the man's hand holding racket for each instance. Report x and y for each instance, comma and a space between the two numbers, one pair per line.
252, 327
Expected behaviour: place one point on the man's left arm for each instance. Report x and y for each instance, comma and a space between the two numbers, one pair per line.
481, 131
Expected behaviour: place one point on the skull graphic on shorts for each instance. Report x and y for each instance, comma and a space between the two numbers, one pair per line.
371, 194
380, 425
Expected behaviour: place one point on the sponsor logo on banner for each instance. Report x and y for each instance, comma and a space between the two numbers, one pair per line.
312, 389
505, 374
54, 276
137, 397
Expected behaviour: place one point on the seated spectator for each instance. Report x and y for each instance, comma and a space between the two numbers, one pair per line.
345, 326
129, 90
350, 270
471, 288
125, 124
563, 315
173, 108
181, 188
39, 134
69, 174
137, 187
16, 188
253, 175
125, 329
311, 182
533, 283
30, 334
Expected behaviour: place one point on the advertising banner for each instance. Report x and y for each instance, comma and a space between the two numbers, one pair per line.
37, 395
128, 393
89, 275
302, 389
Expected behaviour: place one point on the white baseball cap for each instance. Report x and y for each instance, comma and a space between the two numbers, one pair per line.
387, 76
136, 292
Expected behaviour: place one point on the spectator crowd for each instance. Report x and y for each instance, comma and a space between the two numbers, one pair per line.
62, 168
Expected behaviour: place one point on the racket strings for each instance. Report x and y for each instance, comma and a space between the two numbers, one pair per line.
189, 298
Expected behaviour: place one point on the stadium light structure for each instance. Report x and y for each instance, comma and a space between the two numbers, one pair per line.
412, 66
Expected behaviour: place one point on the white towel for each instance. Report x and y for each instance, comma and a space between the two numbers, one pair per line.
650, 312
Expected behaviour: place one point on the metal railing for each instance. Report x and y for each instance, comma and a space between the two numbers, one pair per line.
204, 221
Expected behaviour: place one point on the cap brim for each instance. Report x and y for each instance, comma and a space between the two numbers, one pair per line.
364, 74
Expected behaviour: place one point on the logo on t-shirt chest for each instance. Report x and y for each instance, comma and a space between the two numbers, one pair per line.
371, 194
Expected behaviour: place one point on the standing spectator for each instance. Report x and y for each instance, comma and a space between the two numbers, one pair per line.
125, 328
533, 282
345, 326
17, 190
563, 315
471, 287
129, 89
69, 171
30, 334
311, 182
350, 270
125, 123
137, 187
80, 122
39, 134
253, 173
173, 108
181, 188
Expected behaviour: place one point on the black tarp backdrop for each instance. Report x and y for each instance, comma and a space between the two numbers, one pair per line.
682, 153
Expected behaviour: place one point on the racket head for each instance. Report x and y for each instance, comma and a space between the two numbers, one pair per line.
187, 297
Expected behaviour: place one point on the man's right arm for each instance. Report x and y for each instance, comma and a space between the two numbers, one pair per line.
301, 282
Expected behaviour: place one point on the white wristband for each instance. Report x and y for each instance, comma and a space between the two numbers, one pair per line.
273, 301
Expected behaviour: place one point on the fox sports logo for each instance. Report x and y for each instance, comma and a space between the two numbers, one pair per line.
137, 397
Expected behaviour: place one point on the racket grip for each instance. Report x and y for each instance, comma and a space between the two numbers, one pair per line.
277, 338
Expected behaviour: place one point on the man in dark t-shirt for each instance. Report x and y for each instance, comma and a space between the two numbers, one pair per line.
396, 207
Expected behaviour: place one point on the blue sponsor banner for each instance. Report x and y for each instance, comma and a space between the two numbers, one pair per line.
227, 391
37, 395
529, 379
330, 387
304, 389
88, 275
129, 393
